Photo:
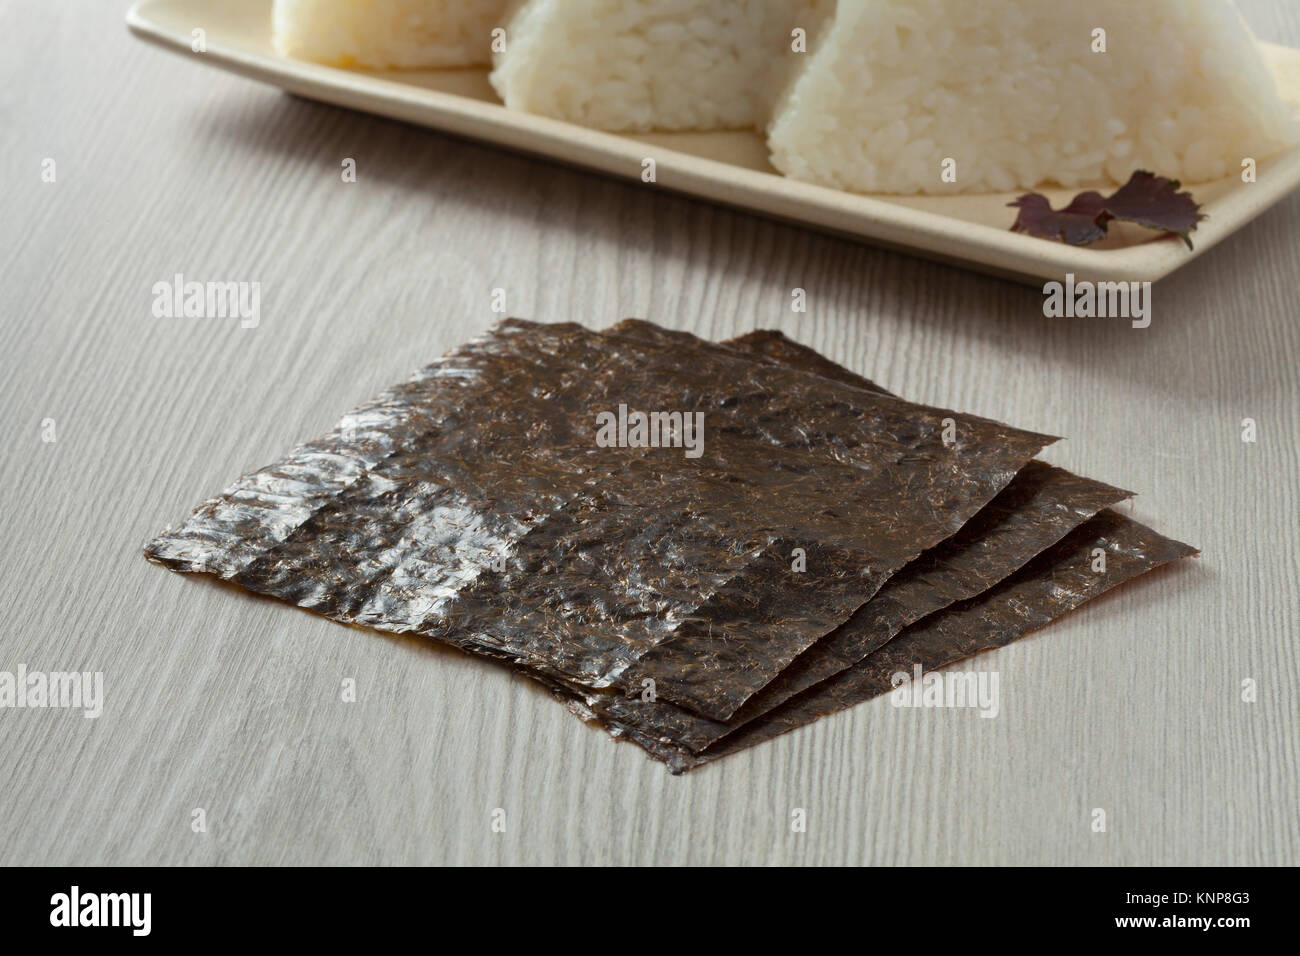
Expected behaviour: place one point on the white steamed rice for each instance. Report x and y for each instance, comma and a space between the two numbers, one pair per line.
1012, 91
388, 34
640, 65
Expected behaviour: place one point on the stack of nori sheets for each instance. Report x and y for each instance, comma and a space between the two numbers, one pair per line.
695, 591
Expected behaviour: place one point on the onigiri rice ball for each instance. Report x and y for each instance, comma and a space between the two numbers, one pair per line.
641, 65
388, 34
1013, 94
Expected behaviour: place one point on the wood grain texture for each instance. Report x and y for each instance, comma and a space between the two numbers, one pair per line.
224, 701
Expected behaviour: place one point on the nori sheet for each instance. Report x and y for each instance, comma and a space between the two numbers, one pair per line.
1037, 509
741, 605
619, 563
1058, 581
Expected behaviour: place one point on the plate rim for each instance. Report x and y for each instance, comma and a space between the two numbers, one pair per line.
917, 232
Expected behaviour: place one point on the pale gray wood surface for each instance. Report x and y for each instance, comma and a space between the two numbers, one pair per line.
231, 703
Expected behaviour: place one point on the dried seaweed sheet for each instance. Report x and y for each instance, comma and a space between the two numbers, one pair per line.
1058, 581
762, 596
1040, 506
473, 505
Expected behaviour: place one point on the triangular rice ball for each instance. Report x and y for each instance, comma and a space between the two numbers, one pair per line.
1015, 94
388, 34
640, 65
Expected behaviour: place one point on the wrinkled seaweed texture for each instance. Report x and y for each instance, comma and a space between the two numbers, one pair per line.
473, 505
1062, 578
767, 596
1040, 505
1036, 509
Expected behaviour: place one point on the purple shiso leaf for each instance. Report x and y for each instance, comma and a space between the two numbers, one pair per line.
1148, 200
1077, 224
1155, 202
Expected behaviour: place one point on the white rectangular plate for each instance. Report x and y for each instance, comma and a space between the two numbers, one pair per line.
730, 167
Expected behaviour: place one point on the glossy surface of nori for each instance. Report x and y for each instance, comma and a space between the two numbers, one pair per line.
1062, 578
1041, 505
473, 505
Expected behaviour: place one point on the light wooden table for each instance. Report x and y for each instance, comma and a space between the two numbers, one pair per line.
218, 700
